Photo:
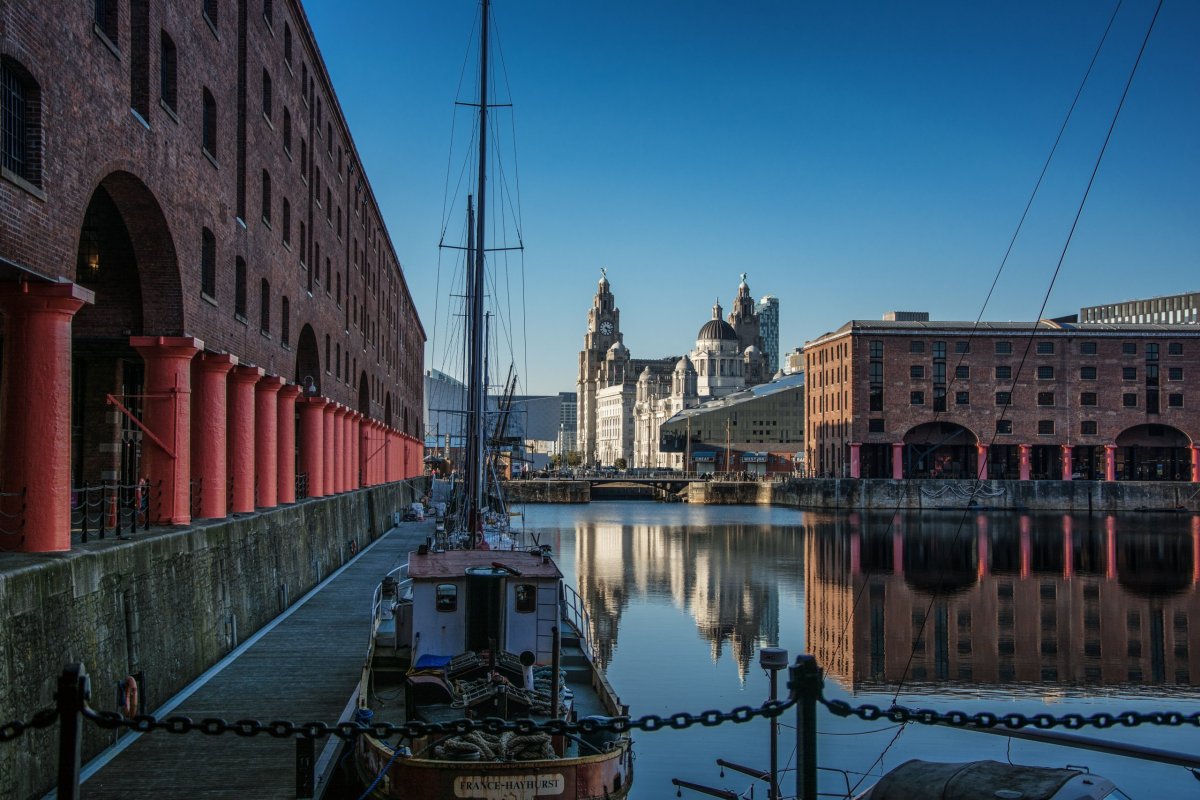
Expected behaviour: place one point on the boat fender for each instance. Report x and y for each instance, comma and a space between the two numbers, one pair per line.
129, 697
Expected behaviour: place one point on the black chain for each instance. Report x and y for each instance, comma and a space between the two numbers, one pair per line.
348, 731
16, 729
1012, 721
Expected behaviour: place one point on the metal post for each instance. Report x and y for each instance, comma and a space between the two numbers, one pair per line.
805, 682
305, 762
773, 659
74, 689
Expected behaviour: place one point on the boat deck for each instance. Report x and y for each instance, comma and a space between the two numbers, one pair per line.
387, 699
303, 667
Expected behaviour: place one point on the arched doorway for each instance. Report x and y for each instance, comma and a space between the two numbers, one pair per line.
1153, 453
940, 450
387, 409
364, 394
124, 242
308, 362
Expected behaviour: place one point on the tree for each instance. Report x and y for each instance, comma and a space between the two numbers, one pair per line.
574, 458
620, 464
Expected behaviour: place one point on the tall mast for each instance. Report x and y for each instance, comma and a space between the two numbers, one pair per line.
478, 391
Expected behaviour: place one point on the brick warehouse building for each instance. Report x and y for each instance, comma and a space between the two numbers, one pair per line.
1006, 400
199, 294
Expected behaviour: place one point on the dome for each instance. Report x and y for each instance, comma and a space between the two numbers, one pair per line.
778, 375
645, 376
617, 350
717, 329
752, 351
685, 366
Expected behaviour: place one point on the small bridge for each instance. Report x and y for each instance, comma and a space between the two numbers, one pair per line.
666, 482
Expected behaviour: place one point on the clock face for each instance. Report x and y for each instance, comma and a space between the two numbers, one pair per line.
606, 328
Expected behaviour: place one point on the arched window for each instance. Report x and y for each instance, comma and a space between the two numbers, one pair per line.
285, 320
327, 351
20, 120
338, 281
287, 221
287, 130
239, 287
266, 197
327, 287
266, 93
210, 10
269, 11
317, 260
208, 263
168, 84
287, 43
209, 124
264, 323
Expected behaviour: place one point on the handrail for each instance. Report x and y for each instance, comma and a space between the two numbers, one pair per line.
574, 612
402, 582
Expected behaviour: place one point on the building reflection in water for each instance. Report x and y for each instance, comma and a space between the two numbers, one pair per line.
727, 577
991, 599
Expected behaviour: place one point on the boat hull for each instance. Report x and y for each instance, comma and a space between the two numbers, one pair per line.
603, 776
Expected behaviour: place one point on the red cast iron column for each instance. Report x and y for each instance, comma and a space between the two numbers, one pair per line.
285, 420
897, 461
266, 439
167, 414
35, 406
981, 461
312, 443
339, 452
1023, 451
329, 412
209, 423
241, 436
364, 450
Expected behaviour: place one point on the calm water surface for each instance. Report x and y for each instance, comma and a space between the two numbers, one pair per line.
998, 612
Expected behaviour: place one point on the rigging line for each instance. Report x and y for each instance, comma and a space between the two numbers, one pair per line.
467, 171
1038, 184
978, 485
513, 125
1036, 326
453, 120
879, 759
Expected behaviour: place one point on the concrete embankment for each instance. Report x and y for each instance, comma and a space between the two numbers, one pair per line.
167, 604
539, 491
1080, 497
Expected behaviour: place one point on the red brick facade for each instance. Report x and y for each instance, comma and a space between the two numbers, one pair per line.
198, 176
940, 400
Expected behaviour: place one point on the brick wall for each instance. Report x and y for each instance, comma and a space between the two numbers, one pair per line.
165, 189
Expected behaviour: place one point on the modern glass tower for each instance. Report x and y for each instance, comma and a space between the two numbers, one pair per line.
768, 329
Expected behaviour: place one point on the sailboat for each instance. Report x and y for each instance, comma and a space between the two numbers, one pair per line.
477, 626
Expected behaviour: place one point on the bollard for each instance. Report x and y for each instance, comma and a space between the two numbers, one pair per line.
74, 689
805, 682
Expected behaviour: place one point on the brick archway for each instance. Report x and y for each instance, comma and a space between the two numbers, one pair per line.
126, 256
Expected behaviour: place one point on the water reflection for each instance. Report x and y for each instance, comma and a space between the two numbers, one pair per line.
987, 600
727, 577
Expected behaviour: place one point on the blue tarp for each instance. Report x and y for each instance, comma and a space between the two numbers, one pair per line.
428, 661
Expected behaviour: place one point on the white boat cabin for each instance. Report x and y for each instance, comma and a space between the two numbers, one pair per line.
479, 599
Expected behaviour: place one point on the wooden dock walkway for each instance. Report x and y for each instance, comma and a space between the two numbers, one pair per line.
306, 668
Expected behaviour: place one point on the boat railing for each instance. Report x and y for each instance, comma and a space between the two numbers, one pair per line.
402, 583
574, 612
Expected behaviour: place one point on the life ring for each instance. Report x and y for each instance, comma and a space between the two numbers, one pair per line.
129, 697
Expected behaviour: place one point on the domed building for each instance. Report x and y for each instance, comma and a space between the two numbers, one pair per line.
623, 401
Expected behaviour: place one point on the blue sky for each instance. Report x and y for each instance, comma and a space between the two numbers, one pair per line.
851, 157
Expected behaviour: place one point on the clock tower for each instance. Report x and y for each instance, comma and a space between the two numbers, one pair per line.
603, 331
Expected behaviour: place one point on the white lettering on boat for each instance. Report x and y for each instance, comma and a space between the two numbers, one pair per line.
509, 787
